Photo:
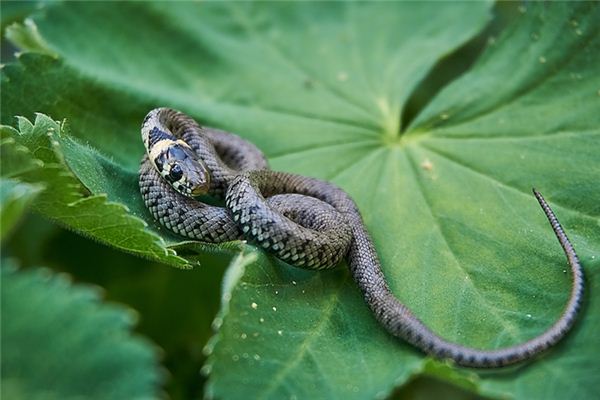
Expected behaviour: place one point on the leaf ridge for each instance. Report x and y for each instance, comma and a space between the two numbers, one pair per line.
568, 59
284, 56
509, 327
555, 205
444, 135
304, 347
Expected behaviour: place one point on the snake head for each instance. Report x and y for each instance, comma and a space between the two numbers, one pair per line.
181, 168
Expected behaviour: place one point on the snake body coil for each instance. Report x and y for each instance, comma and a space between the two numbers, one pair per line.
305, 222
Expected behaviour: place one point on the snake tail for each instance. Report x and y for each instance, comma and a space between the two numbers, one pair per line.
401, 322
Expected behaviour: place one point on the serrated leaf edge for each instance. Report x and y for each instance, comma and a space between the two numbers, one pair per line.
76, 192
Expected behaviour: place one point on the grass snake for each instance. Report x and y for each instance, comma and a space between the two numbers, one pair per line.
303, 221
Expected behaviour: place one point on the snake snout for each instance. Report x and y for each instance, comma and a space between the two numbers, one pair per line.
191, 175
198, 180
200, 190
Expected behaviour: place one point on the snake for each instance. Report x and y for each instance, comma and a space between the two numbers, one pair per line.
303, 221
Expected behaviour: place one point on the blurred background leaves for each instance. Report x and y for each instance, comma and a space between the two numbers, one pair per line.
177, 307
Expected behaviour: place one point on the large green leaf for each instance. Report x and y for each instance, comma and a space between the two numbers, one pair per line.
320, 88
311, 335
60, 342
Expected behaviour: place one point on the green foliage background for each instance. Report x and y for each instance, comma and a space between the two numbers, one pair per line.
436, 117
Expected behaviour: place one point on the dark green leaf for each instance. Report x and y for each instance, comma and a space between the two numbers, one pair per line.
31, 155
15, 196
60, 342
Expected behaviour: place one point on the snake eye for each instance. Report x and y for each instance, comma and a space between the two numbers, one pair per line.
176, 173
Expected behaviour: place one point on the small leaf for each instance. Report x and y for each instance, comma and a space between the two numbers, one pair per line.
60, 342
63, 200
15, 197
26, 36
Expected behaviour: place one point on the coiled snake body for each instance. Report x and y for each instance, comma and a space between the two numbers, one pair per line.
305, 222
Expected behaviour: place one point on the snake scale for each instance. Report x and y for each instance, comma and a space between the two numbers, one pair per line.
303, 221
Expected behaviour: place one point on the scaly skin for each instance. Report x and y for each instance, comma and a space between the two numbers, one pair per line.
313, 224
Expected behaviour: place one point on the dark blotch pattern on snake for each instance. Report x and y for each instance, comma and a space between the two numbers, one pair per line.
303, 221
